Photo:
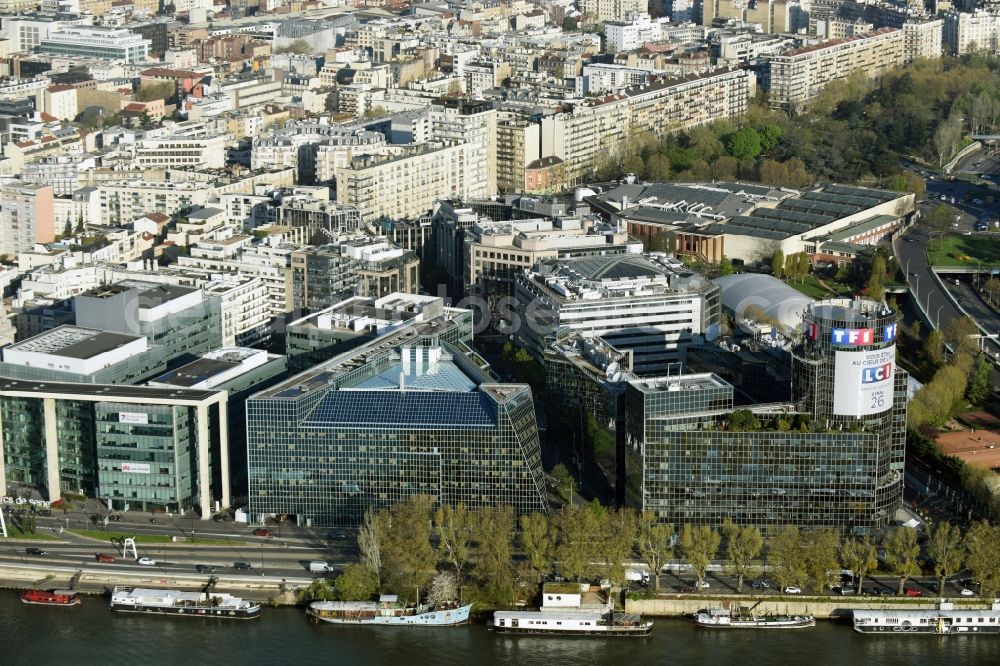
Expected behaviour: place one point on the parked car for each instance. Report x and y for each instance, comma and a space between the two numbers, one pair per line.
792, 590
116, 517
147, 561
262, 532
106, 559
760, 585
338, 534
204, 568
243, 566
34, 551
846, 591
966, 592
688, 589
912, 592
703, 585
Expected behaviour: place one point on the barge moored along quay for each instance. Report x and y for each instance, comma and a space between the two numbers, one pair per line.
388, 611
942, 621
50, 597
721, 618
573, 609
187, 604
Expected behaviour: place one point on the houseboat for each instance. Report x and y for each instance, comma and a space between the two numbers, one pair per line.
942, 621
721, 618
388, 611
50, 597
572, 609
187, 604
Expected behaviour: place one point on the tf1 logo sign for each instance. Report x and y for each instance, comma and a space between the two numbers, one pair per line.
852, 336
860, 336
876, 373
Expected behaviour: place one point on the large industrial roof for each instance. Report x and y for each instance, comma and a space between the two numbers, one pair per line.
778, 301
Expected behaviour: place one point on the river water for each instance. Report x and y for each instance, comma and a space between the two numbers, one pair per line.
92, 634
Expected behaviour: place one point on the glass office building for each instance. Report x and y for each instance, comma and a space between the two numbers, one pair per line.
832, 457
404, 415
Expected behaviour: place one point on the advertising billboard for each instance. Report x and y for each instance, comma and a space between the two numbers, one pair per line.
135, 468
863, 382
133, 417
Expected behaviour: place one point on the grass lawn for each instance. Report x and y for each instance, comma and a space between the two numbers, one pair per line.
965, 250
108, 536
811, 287
40, 535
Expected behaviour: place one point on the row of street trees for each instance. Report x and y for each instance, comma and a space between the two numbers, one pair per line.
405, 549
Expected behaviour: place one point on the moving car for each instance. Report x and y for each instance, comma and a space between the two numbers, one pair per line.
243, 566
204, 568
792, 590
262, 532
147, 561
34, 551
106, 559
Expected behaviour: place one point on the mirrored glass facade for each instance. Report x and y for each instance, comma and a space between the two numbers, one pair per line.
388, 421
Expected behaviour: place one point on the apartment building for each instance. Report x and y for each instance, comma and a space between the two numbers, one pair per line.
794, 78
966, 32
407, 185
592, 131
372, 267
245, 315
519, 143
475, 124
922, 39
271, 263
182, 152
97, 42
612, 10
26, 216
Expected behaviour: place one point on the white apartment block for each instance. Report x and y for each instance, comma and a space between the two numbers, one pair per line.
406, 186
181, 152
124, 201
612, 10
632, 34
272, 264
475, 125
796, 77
964, 33
922, 39
94, 42
336, 152
244, 305
598, 128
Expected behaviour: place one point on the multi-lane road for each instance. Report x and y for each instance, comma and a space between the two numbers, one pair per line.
222, 546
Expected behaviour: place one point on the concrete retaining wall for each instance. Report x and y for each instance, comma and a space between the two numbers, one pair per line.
819, 607
96, 582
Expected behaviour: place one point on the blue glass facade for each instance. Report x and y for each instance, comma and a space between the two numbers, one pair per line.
328, 444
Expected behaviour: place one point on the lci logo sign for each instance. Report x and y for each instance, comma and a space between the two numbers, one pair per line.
852, 336
878, 373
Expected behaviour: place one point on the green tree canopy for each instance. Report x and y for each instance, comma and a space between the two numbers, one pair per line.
744, 144
901, 553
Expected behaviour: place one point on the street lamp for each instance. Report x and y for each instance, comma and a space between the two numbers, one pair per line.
928, 308
937, 317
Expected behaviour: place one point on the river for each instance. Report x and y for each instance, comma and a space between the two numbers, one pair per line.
92, 634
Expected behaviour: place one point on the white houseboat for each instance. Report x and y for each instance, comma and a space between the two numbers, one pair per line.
388, 611
944, 620
721, 618
572, 609
189, 604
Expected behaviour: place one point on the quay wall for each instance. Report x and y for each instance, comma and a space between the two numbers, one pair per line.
823, 608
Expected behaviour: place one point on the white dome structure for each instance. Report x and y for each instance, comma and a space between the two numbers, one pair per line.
779, 302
